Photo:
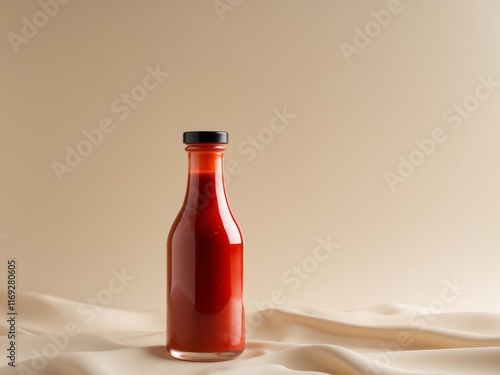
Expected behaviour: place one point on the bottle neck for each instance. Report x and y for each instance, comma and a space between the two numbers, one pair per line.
205, 176
206, 158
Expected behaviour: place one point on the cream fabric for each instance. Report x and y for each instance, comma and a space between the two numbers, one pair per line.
61, 337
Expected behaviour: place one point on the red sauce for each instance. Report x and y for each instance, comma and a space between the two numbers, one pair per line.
205, 267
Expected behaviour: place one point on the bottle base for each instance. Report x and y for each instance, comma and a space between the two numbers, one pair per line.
203, 357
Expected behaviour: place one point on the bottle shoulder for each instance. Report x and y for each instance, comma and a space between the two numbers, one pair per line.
209, 221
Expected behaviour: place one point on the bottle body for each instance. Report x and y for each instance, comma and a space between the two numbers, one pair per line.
205, 314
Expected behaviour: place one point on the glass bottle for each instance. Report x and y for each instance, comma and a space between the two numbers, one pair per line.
205, 313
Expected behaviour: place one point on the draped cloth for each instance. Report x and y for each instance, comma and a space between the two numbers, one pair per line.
55, 336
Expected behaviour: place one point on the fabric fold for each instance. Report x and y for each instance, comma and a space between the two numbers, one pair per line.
58, 336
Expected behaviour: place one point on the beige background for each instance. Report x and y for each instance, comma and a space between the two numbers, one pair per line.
323, 175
